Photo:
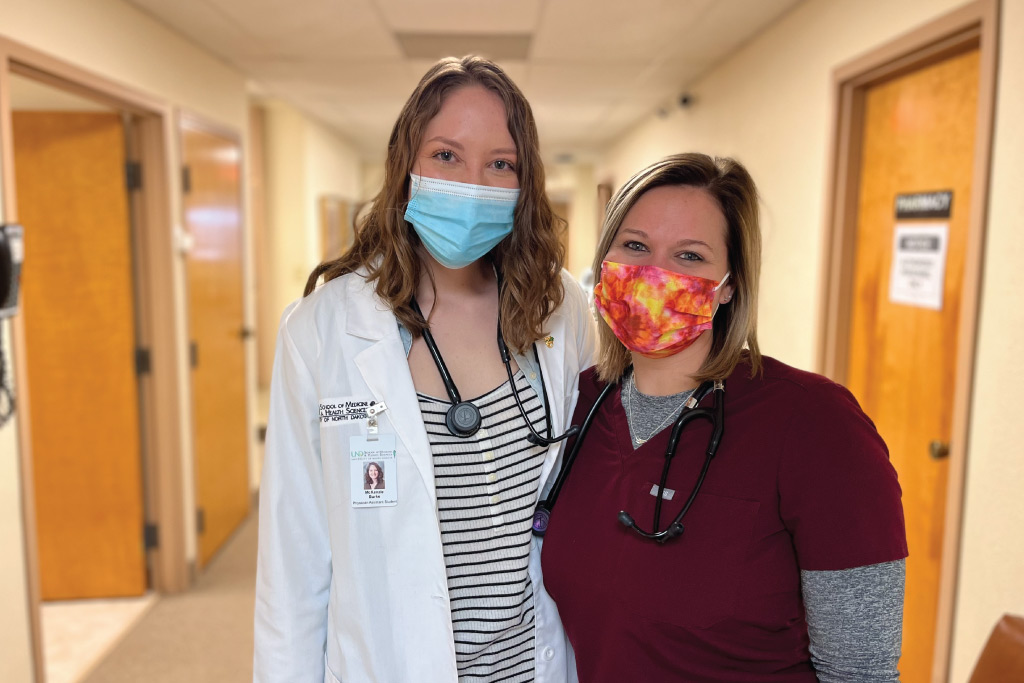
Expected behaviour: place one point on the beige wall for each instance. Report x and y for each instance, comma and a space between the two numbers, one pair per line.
576, 184
304, 160
770, 106
15, 644
992, 554
116, 41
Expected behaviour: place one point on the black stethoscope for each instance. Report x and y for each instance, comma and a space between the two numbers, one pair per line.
715, 415
463, 417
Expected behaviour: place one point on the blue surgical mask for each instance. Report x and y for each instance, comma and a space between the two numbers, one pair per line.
458, 222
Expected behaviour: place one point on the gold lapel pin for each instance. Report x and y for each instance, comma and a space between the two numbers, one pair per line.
549, 341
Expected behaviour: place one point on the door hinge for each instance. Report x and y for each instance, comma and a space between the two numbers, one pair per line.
200, 521
151, 536
143, 363
193, 354
186, 179
133, 175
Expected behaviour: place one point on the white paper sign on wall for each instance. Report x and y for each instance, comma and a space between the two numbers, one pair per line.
919, 264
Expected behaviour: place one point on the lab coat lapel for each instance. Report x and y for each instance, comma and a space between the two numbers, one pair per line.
552, 365
385, 371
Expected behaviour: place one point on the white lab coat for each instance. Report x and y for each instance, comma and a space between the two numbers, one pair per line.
361, 595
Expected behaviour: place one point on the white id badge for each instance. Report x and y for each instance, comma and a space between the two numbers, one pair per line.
374, 467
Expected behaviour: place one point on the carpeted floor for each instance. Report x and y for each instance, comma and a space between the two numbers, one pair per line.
202, 636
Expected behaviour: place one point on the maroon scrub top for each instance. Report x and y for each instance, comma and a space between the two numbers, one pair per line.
801, 481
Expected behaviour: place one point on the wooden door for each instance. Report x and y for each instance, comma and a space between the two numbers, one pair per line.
213, 218
79, 316
918, 137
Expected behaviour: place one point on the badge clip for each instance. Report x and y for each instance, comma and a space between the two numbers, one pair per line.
373, 411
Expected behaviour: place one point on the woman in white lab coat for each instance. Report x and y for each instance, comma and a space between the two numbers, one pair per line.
436, 577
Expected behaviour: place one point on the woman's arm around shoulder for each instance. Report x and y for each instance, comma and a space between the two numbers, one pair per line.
294, 560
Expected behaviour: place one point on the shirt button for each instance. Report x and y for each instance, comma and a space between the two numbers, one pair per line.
488, 455
491, 478
495, 500
548, 654
533, 375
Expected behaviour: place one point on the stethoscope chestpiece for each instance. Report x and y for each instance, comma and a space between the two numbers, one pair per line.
463, 419
541, 518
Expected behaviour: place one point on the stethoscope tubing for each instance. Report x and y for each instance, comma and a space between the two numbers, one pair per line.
506, 358
716, 418
446, 377
715, 415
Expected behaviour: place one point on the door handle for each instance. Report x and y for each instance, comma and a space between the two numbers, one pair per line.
938, 449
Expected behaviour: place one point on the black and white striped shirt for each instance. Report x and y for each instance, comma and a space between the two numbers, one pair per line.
486, 492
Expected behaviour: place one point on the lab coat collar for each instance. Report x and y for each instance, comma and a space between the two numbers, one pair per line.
366, 316
384, 371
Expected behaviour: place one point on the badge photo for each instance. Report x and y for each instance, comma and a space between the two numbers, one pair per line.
374, 471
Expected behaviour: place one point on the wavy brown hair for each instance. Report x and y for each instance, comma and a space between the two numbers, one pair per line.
734, 328
529, 259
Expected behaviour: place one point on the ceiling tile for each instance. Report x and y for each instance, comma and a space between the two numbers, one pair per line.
562, 81
311, 28
202, 23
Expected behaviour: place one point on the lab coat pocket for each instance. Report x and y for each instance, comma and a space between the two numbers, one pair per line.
692, 580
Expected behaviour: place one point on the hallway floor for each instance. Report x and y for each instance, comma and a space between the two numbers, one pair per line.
201, 636
78, 634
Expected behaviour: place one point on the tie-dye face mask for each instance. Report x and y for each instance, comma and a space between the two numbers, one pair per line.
653, 311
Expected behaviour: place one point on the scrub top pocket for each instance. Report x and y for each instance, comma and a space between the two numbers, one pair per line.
694, 579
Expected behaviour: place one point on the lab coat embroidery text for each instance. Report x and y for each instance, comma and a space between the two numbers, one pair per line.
334, 410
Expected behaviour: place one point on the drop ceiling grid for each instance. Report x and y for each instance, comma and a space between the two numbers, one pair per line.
594, 68
202, 24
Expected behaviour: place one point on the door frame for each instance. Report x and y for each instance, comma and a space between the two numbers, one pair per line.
186, 119
973, 25
160, 391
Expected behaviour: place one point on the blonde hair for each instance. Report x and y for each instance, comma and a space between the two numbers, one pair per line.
529, 260
735, 325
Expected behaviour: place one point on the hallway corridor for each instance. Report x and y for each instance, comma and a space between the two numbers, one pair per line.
199, 636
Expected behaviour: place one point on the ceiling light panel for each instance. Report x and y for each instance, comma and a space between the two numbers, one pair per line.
497, 47
516, 70
638, 30
468, 16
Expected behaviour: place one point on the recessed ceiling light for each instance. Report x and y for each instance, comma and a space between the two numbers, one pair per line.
496, 46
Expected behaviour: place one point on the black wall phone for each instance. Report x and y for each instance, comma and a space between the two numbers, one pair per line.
12, 253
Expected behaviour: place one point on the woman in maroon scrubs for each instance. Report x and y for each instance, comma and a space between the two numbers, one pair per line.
788, 564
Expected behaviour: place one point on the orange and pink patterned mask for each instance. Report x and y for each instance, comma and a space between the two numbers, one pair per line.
653, 311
